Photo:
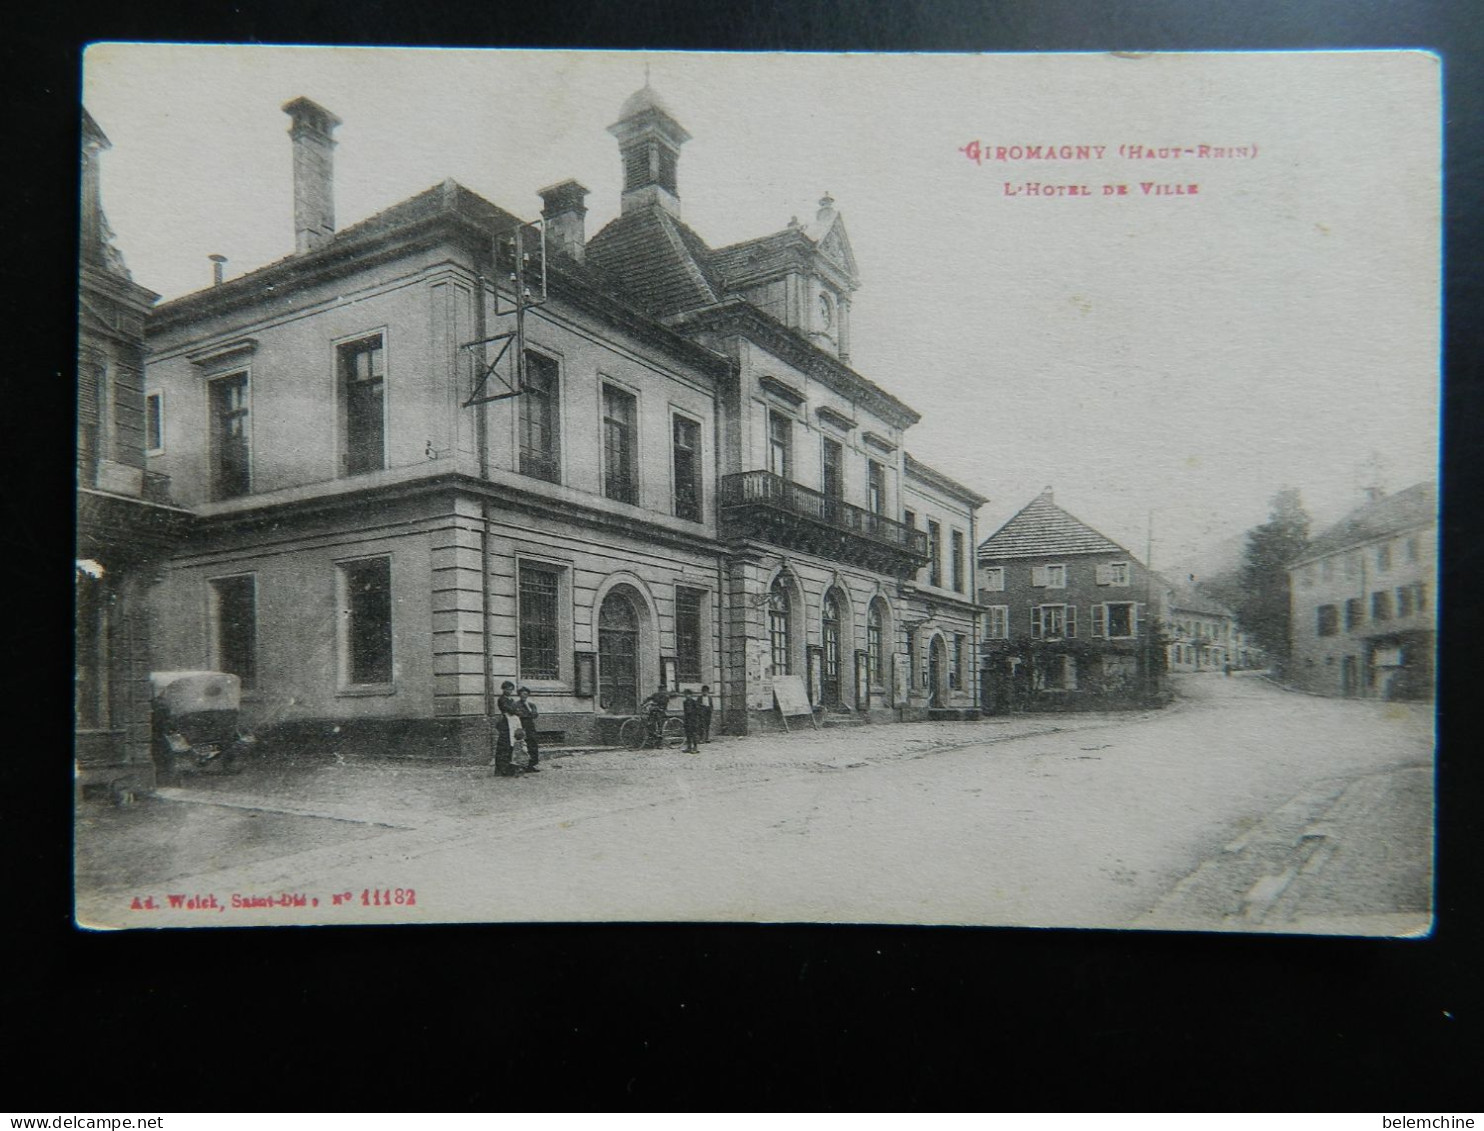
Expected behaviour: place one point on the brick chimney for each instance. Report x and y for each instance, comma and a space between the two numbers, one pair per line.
563, 210
314, 173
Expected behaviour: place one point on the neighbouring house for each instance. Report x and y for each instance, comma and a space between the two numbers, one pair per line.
943, 626
1201, 633
1364, 601
1071, 618
126, 523
675, 476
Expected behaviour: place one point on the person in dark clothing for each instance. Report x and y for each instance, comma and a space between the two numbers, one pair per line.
705, 699
528, 713
656, 707
505, 722
691, 710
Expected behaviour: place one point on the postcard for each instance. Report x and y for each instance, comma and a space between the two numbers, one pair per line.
573, 486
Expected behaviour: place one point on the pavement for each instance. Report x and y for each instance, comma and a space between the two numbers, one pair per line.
1239, 808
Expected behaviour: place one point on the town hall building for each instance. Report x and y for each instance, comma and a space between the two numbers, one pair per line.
445, 447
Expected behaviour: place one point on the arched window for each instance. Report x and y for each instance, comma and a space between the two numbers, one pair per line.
779, 627
876, 642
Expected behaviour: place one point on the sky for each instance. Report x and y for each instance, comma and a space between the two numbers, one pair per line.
1164, 361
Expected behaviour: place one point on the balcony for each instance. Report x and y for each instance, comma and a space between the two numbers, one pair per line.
761, 505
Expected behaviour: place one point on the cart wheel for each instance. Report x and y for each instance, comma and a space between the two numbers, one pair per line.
673, 736
631, 734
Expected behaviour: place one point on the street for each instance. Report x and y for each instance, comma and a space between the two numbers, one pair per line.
1240, 807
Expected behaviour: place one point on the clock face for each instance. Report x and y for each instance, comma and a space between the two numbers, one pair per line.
826, 310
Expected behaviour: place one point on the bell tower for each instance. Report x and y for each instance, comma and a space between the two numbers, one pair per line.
649, 141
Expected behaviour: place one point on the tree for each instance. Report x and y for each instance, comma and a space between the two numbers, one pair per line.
1264, 607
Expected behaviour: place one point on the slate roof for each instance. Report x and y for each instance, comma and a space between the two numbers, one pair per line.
1391, 514
659, 262
764, 255
1042, 529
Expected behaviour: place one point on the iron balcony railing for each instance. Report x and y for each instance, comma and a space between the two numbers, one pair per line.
763, 489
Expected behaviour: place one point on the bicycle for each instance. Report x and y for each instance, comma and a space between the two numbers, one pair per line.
636, 734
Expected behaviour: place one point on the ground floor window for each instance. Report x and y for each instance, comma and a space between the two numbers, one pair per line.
234, 603
539, 628
366, 609
688, 649
779, 629
93, 602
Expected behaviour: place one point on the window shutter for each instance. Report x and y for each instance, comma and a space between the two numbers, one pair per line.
89, 378
1137, 616
1071, 621
1038, 576
1104, 577
1098, 621
1036, 622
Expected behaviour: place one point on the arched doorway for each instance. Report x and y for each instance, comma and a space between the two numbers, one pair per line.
829, 676
618, 654
937, 671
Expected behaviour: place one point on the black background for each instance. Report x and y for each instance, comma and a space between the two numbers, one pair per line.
613, 1017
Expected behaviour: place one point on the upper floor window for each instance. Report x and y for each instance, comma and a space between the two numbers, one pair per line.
1381, 605
1354, 612
154, 423
539, 406
687, 457
1054, 621
780, 445
620, 472
1383, 556
935, 548
993, 578
1404, 601
1412, 549
1113, 573
1117, 620
229, 444
833, 478
957, 538
875, 487
1049, 576
997, 622
363, 404
1328, 620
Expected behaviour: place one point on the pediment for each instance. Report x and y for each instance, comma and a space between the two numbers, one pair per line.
834, 246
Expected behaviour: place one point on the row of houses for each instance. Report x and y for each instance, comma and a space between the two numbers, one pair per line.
447, 446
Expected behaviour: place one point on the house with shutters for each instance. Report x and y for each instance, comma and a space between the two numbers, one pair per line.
1201, 634
677, 477
1071, 618
1363, 601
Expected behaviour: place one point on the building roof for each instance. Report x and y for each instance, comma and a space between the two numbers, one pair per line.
1042, 529
659, 262
1385, 517
931, 475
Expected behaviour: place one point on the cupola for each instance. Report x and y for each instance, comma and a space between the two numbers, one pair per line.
649, 141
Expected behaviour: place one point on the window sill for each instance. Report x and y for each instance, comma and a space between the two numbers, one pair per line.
366, 690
